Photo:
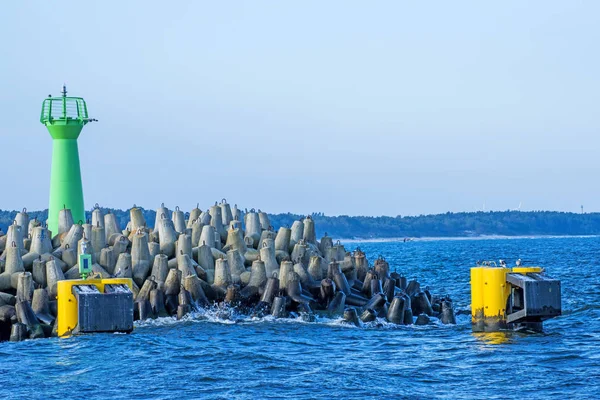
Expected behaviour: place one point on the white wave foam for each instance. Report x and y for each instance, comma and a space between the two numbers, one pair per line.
230, 316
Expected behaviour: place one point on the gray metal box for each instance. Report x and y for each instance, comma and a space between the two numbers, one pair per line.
537, 298
111, 311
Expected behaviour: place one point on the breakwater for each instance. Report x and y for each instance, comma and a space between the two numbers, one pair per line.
216, 257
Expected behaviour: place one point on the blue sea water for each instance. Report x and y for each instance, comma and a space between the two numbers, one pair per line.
220, 355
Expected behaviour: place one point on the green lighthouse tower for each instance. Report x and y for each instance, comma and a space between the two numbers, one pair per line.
65, 117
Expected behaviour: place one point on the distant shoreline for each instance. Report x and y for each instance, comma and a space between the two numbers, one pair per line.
456, 238
449, 226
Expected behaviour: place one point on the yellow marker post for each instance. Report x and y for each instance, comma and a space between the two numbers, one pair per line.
489, 296
477, 303
495, 297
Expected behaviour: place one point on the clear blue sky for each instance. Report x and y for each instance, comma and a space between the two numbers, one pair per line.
343, 107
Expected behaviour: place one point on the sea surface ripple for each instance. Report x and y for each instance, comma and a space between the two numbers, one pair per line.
220, 354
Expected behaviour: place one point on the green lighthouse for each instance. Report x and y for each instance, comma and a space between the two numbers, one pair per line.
65, 117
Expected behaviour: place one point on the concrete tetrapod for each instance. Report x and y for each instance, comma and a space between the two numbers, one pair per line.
351, 317
382, 267
12, 267
327, 290
222, 273
208, 236
157, 303
87, 231
33, 223
258, 274
14, 238
447, 315
307, 281
343, 285
297, 233
26, 316
72, 237
236, 213
193, 216
235, 241
226, 214
309, 234
65, 221
167, 236
390, 289
265, 223
194, 286
140, 257
205, 218
98, 240
38, 272
325, 244
253, 228
111, 225
236, 265
267, 255
408, 315
285, 271
147, 287
207, 262
137, 219
41, 306
197, 227
160, 268
348, 268
395, 312
268, 237
24, 286
184, 264
256, 281
179, 220
300, 253
123, 269
18, 332
216, 222
120, 244
69, 256
40, 241
107, 260
420, 304
184, 244
282, 240
294, 289
361, 265
97, 216
368, 315
314, 268
271, 289
22, 220
161, 212
278, 307
336, 306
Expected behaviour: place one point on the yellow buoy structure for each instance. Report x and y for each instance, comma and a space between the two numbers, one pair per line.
508, 298
94, 305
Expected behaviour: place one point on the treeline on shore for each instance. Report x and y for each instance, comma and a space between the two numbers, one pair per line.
508, 223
